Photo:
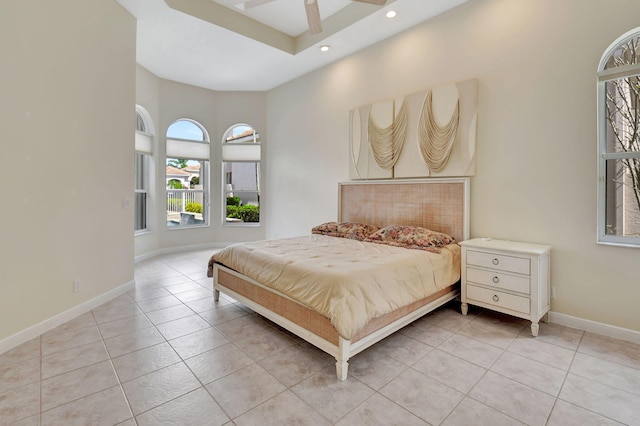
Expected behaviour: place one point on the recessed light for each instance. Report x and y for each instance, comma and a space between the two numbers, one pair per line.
392, 14
325, 48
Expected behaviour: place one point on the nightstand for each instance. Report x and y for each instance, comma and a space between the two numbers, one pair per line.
508, 277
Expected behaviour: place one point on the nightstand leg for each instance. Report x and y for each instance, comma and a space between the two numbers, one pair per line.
534, 329
464, 308
216, 295
545, 318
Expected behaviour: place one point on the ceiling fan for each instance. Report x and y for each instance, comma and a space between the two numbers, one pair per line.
310, 6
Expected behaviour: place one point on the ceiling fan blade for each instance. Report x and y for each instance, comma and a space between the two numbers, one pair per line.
250, 4
376, 2
313, 16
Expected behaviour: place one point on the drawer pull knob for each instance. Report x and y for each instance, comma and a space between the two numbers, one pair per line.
495, 298
495, 261
496, 280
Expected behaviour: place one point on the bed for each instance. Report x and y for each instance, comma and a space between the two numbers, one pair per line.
293, 281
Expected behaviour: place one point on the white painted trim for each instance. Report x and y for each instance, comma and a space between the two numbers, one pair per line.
595, 327
58, 319
180, 249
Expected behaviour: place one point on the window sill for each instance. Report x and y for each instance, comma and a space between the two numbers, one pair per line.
630, 244
179, 227
242, 224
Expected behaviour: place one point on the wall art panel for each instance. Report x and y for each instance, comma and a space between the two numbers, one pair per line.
427, 134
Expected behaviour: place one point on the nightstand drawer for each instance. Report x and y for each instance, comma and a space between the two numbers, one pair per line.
519, 265
498, 298
499, 280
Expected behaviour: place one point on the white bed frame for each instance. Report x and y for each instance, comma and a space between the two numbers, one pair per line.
345, 349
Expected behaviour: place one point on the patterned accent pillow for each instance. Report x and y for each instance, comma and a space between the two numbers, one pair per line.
354, 231
325, 228
413, 237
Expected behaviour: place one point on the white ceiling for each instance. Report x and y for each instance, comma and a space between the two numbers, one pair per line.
215, 45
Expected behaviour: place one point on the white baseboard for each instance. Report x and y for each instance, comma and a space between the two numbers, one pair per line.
179, 249
51, 323
595, 327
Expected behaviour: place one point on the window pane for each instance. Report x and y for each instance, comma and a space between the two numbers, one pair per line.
623, 197
186, 195
623, 114
242, 134
140, 126
185, 207
140, 171
140, 220
242, 176
242, 191
626, 54
185, 129
140, 204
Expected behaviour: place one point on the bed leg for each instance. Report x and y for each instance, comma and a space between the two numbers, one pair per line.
342, 365
216, 295
341, 369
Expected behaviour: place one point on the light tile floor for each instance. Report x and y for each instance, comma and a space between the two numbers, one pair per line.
166, 353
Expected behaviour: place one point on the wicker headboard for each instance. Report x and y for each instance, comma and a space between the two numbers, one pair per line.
438, 204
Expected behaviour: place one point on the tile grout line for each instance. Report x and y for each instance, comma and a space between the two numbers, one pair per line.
115, 372
505, 350
181, 359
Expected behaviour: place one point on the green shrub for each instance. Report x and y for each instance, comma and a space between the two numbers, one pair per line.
174, 184
232, 212
193, 207
233, 201
248, 213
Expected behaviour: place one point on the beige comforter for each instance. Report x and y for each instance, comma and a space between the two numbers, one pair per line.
345, 280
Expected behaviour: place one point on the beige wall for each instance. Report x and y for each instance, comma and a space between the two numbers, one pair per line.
536, 63
67, 78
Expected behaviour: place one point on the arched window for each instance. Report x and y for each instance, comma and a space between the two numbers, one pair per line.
241, 151
187, 165
143, 153
619, 142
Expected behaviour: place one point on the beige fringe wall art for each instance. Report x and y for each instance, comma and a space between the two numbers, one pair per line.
427, 134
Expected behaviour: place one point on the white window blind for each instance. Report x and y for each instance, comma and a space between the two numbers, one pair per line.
241, 152
144, 143
186, 149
